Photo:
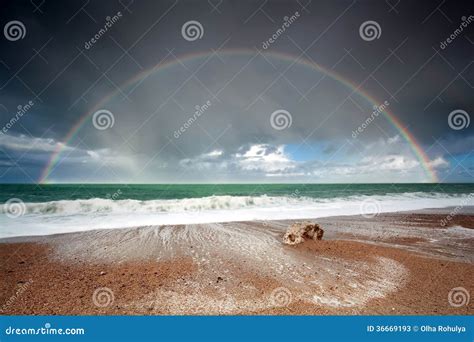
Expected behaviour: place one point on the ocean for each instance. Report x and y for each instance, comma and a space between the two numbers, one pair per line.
50, 209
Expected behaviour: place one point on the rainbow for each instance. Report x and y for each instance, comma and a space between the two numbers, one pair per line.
416, 148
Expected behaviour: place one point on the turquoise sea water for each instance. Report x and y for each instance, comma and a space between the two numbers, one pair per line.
49, 209
143, 192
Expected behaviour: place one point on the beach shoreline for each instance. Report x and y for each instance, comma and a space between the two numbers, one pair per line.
392, 263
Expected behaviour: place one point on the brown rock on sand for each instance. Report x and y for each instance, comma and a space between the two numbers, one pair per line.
298, 232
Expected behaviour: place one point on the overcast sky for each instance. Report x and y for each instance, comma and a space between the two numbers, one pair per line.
264, 114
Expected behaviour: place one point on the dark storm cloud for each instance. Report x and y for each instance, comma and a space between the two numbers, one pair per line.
67, 64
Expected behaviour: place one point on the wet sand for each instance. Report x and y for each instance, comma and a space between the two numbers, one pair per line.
399, 263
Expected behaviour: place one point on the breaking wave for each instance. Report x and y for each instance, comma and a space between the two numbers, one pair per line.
99, 205
76, 215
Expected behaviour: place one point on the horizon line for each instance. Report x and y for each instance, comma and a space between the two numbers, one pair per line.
228, 183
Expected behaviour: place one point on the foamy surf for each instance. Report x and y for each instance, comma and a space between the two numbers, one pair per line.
233, 252
79, 215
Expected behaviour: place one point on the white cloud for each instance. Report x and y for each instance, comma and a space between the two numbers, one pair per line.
261, 158
205, 161
26, 143
439, 162
94, 155
265, 158
215, 153
272, 161
393, 139
388, 162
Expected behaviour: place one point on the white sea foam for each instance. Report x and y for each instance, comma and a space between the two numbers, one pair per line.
77, 215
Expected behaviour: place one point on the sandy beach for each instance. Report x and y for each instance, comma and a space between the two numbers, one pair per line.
397, 263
